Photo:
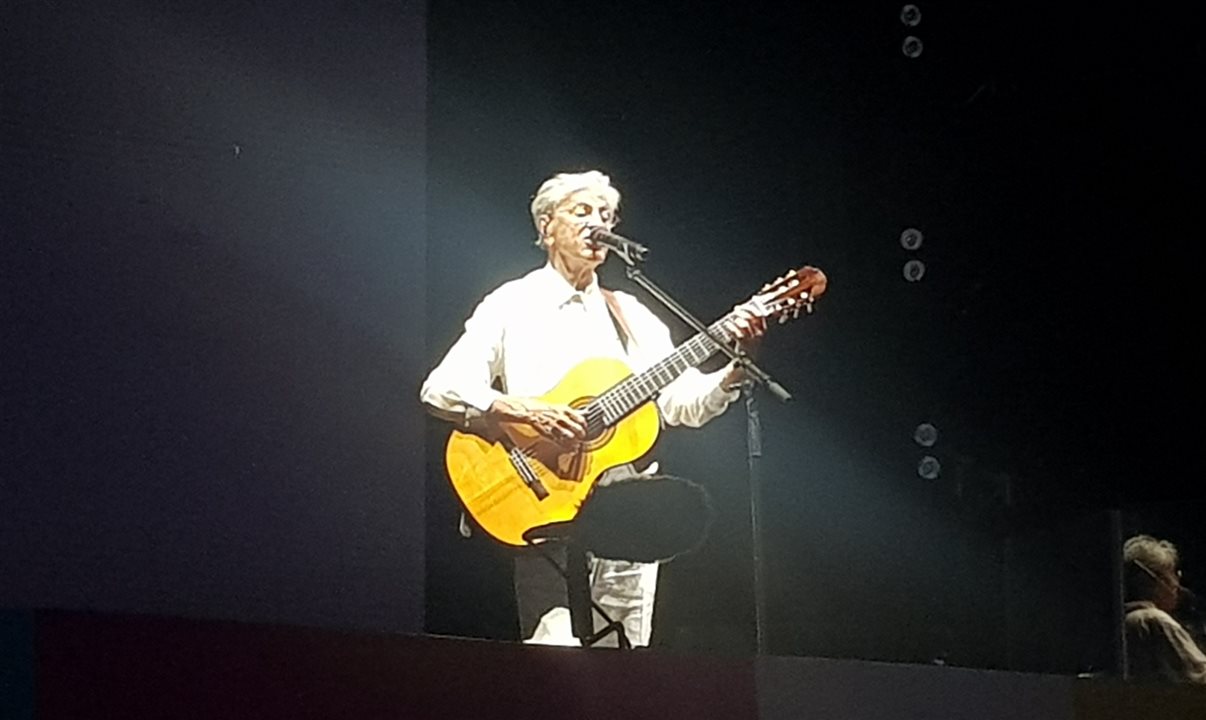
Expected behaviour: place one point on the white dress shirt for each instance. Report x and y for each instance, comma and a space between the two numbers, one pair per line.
531, 331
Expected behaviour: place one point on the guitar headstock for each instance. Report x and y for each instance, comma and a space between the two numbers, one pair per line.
788, 295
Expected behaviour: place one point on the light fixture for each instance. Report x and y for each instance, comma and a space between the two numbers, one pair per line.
925, 435
929, 467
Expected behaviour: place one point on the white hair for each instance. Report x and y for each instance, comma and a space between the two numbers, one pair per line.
1152, 554
562, 185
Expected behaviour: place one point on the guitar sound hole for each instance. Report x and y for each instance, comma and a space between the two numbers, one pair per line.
594, 431
597, 434
596, 439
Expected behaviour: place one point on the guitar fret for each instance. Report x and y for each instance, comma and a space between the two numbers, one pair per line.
637, 389
610, 408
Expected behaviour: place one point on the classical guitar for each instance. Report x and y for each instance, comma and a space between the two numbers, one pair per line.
513, 479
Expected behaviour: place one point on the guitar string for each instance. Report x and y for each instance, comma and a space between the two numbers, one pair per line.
636, 388
624, 396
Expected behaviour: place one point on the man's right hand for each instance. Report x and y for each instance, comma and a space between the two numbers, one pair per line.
559, 423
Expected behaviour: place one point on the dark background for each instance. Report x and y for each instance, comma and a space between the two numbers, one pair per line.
213, 301
230, 252
1047, 153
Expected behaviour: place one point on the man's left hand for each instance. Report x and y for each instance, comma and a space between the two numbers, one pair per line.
748, 324
749, 327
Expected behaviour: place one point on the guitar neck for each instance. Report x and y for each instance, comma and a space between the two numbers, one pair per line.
635, 390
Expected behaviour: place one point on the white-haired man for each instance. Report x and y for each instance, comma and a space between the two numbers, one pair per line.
1158, 647
526, 335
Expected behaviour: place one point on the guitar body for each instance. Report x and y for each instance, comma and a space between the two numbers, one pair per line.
485, 477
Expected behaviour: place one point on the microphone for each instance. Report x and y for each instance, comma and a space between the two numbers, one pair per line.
619, 243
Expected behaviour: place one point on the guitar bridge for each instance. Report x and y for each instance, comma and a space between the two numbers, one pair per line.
526, 473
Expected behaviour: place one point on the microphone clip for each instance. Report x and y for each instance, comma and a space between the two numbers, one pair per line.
631, 251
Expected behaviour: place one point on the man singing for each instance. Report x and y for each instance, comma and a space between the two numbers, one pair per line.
525, 336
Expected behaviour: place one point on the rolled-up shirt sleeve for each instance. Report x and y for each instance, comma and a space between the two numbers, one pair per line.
461, 386
695, 398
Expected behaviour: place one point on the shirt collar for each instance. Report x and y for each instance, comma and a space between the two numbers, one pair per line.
1133, 605
558, 290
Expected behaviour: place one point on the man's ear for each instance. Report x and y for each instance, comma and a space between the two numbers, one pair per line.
543, 226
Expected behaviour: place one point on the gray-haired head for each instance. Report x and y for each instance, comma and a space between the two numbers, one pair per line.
562, 185
1151, 567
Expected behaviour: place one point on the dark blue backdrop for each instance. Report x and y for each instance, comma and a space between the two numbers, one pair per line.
213, 242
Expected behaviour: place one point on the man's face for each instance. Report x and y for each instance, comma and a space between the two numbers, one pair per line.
1168, 590
564, 231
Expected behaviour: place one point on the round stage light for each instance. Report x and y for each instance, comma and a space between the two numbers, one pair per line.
925, 435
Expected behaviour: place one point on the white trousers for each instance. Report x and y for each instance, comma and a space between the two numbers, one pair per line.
625, 590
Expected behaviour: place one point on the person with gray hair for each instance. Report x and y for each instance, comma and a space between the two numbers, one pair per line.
525, 336
1158, 647
557, 188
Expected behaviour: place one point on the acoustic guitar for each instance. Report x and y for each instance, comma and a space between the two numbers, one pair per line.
511, 479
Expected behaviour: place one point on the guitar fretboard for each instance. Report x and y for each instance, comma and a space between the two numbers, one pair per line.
635, 390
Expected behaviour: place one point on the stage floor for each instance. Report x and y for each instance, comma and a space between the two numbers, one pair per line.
59, 665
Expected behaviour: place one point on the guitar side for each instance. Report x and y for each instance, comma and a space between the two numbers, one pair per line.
492, 491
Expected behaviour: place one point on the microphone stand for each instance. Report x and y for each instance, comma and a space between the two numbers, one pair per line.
755, 376
753, 442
